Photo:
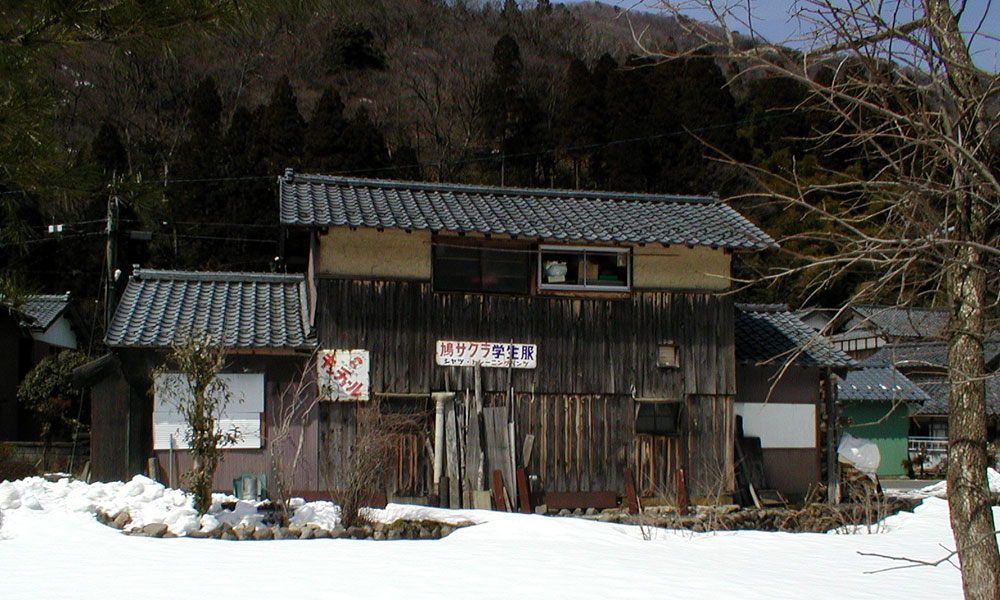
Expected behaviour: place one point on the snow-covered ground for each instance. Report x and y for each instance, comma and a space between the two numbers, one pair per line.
51, 546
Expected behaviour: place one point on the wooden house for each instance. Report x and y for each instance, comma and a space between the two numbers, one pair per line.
861, 329
576, 335
40, 325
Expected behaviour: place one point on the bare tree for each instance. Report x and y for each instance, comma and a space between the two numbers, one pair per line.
287, 435
905, 95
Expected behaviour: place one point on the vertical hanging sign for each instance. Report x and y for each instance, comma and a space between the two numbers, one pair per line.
343, 374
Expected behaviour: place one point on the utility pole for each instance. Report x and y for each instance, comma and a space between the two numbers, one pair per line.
111, 256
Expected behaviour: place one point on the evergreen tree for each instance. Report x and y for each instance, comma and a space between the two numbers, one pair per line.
351, 47
367, 152
406, 164
514, 123
324, 143
581, 117
282, 127
108, 151
502, 91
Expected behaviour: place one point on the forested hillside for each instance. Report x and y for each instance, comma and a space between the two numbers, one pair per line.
188, 128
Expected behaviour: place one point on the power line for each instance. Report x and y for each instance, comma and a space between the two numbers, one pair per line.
50, 239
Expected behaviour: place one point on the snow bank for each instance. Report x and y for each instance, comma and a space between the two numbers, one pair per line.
940, 489
147, 501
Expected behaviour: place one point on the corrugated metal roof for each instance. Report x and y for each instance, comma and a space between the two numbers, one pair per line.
773, 332
240, 310
566, 215
878, 384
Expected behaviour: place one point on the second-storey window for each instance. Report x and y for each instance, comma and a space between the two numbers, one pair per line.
459, 268
584, 268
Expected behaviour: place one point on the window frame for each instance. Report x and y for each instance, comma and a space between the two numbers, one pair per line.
483, 250
656, 406
583, 251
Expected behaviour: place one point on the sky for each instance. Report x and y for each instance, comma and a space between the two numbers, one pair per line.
772, 20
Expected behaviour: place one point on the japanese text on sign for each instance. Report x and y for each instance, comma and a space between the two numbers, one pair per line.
450, 353
343, 374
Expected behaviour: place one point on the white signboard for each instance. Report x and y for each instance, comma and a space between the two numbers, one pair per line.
241, 415
779, 425
343, 374
452, 353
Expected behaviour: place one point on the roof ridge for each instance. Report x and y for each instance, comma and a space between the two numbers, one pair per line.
887, 307
769, 308
62, 296
181, 275
291, 177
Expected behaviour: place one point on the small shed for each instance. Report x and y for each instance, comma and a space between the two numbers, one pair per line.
262, 322
876, 402
782, 371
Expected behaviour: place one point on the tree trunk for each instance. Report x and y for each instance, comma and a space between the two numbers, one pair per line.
968, 489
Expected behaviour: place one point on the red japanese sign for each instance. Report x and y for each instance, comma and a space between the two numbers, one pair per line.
343, 374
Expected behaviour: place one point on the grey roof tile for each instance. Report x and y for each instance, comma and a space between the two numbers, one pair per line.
876, 384
772, 332
917, 355
320, 201
904, 321
239, 310
937, 403
40, 311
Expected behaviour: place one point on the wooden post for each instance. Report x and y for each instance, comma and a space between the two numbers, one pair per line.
832, 439
523, 490
682, 493
631, 498
498, 493
453, 465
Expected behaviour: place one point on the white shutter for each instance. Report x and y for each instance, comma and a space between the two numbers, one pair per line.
243, 413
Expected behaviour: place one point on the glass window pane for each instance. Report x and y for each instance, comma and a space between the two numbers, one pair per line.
584, 268
477, 269
607, 269
562, 268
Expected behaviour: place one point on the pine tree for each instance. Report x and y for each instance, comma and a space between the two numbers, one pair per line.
581, 118
324, 142
282, 127
108, 151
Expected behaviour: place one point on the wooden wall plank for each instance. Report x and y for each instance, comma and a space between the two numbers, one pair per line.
586, 345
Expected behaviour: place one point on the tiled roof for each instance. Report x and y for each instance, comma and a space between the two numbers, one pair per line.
242, 310
937, 404
914, 355
584, 216
772, 332
40, 311
902, 321
878, 384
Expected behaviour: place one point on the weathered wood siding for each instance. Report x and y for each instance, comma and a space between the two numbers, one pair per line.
586, 345
409, 473
582, 443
